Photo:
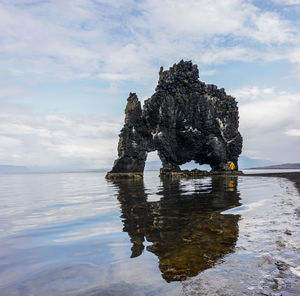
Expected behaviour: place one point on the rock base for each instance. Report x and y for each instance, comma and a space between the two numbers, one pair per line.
171, 174
183, 174
226, 173
118, 176
197, 174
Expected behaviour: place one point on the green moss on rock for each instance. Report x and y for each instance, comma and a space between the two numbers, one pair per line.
117, 176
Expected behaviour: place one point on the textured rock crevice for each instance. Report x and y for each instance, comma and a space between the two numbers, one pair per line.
184, 120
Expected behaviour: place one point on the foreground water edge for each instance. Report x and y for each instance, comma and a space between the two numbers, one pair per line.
77, 234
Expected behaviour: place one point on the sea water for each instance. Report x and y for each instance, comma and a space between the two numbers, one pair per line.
79, 234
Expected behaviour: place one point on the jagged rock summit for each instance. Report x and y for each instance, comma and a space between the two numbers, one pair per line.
185, 119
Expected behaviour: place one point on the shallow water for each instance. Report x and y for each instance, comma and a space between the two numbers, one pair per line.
78, 234
270, 171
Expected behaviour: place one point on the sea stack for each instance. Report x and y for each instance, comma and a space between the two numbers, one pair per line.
185, 119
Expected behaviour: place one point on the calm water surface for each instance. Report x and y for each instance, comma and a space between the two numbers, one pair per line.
78, 234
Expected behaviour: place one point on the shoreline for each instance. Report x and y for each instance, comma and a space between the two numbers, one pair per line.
292, 176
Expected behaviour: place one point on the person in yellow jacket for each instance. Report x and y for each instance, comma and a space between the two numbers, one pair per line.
232, 166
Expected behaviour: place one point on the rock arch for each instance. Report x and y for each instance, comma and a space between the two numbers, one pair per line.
185, 119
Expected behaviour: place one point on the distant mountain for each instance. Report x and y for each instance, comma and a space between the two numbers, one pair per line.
13, 169
246, 162
281, 166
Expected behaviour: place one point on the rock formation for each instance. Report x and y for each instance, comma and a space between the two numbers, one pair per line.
185, 119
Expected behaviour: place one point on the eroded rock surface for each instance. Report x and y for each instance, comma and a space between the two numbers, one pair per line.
185, 119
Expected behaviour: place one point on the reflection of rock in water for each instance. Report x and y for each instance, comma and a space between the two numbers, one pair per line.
187, 231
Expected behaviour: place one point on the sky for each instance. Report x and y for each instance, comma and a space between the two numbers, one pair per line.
67, 67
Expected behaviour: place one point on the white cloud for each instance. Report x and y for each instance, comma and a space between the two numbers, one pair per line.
123, 40
273, 111
268, 27
114, 76
58, 140
267, 124
252, 92
197, 18
293, 132
9, 142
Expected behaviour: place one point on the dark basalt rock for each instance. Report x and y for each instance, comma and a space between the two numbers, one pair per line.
184, 120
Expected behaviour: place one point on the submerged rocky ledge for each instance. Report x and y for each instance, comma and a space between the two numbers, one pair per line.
178, 174
197, 173
113, 176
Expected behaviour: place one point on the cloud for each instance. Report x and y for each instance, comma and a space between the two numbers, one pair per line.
125, 40
252, 92
268, 27
58, 140
268, 123
114, 76
293, 132
9, 142
196, 18
274, 111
